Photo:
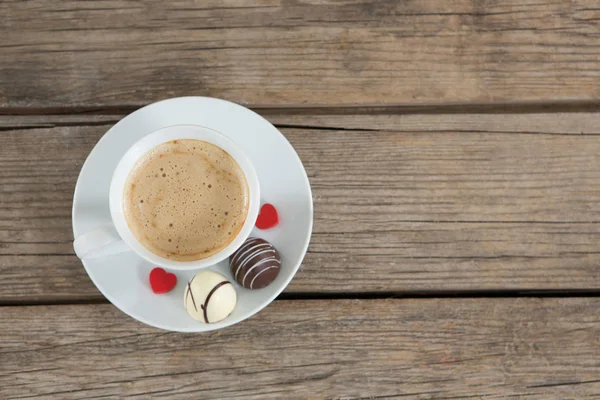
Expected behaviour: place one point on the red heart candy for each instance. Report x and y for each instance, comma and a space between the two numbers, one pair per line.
268, 217
162, 281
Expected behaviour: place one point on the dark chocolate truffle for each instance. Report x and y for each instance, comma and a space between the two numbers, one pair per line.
255, 264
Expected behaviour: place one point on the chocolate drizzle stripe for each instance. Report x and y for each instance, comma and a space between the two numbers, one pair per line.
250, 252
256, 276
189, 286
256, 257
205, 305
252, 256
258, 264
243, 248
192, 296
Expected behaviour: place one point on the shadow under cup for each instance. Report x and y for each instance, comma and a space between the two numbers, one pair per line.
151, 141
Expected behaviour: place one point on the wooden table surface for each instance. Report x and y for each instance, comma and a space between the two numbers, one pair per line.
453, 148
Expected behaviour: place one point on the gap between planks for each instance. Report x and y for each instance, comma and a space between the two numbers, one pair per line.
317, 296
525, 107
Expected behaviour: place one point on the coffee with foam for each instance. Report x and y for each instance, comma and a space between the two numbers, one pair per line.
186, 200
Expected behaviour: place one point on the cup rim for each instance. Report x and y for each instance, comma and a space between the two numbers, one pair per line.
163, 135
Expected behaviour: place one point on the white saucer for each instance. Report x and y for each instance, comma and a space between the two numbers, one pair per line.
123, 278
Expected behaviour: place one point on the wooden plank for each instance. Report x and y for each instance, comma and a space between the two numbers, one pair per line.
403, 203
273, 52
527, 348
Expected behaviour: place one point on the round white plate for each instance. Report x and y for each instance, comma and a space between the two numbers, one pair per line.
123, 278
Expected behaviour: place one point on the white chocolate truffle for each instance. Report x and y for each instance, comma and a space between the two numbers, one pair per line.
209, 297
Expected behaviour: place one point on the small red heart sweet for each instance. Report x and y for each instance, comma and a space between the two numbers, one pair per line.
162, 281
267, 218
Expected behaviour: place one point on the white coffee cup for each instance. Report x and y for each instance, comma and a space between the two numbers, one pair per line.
117, 237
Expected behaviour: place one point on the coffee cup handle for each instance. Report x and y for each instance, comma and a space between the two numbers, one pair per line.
99, 242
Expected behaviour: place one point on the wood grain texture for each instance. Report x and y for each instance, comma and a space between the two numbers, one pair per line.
295, 52
534, 349
403, 203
